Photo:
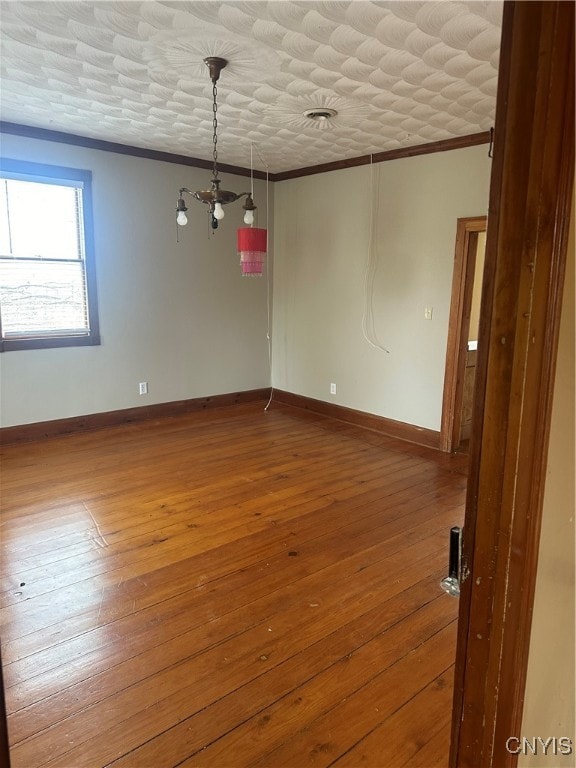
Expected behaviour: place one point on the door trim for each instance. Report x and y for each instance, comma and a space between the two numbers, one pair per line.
462, 286
529, 215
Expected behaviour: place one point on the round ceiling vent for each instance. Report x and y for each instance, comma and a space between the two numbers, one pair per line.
320, 114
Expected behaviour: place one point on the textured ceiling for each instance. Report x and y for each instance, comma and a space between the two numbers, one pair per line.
398, 74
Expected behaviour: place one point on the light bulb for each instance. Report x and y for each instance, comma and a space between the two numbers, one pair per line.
249, 217
218, 211
181, 218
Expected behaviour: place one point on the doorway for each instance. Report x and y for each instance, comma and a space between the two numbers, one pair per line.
461, 349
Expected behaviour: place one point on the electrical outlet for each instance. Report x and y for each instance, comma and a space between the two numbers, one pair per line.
428, 313
332, 388
143, 388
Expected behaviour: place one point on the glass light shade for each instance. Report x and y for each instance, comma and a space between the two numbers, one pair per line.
218, 211
249, 217
182, 219
251, 246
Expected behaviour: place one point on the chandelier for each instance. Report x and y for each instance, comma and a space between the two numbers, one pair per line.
252, 243
215, 197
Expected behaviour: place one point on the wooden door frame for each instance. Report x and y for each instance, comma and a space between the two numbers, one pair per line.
529, 214
467, 230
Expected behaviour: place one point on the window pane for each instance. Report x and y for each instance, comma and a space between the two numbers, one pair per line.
42, 298
40, 220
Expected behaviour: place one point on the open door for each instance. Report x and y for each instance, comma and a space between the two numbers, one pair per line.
529, 214
461, 357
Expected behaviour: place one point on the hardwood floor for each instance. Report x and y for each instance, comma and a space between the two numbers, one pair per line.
231, 588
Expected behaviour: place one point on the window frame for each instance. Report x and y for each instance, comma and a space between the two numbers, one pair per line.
50, 174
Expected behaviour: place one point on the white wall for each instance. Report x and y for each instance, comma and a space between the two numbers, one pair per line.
322, 239
182, 318
178, 316
549, 704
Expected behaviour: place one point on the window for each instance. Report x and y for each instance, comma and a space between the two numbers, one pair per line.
47, 277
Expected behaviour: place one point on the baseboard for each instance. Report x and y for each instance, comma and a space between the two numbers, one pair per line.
44, 429
389, 427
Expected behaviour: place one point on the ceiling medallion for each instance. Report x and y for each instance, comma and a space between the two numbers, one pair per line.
182, 54
323, 111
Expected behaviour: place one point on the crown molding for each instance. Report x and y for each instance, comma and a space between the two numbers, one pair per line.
44, 134
457, 142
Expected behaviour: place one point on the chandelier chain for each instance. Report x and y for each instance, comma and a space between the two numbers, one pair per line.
215, 127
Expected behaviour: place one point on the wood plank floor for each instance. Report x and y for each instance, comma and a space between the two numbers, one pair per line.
232, 588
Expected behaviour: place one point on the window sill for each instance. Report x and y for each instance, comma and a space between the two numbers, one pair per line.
13, 345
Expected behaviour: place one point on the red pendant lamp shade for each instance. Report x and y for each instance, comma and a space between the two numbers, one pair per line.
252, 250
